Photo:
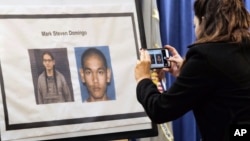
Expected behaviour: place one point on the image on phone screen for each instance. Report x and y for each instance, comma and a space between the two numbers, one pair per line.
159, 58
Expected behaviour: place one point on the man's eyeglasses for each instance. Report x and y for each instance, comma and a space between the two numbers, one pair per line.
47, 60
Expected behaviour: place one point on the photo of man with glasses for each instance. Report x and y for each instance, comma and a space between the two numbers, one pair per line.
52, 86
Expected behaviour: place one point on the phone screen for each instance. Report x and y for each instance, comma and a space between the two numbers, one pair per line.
159, 58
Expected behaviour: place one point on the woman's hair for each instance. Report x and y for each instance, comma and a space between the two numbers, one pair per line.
222, 20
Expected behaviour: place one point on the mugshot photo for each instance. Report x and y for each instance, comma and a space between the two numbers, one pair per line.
51, 75
95, 74
159, 59
152, 57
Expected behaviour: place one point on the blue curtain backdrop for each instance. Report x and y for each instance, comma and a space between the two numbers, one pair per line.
176, 26
247, 3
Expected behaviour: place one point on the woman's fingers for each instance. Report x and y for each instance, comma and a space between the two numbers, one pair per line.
144, 55
147, 56
172, 50
172, 59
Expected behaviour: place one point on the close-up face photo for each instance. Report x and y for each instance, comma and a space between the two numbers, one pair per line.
95, 76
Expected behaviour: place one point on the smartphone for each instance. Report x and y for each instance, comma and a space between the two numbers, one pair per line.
159, 58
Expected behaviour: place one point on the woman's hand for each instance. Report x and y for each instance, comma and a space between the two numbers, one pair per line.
142, 68
176, 61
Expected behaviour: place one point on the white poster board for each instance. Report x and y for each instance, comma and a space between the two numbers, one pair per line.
67, 30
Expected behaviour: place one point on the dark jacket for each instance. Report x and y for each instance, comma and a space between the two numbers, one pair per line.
214, 83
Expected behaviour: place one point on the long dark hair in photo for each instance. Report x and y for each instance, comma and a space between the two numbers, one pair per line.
54, 72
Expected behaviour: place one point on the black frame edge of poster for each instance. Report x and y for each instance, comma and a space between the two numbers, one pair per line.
127, 134
138, 4
115, 136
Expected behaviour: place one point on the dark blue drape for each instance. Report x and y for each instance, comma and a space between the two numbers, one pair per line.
247, 3
176, 27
